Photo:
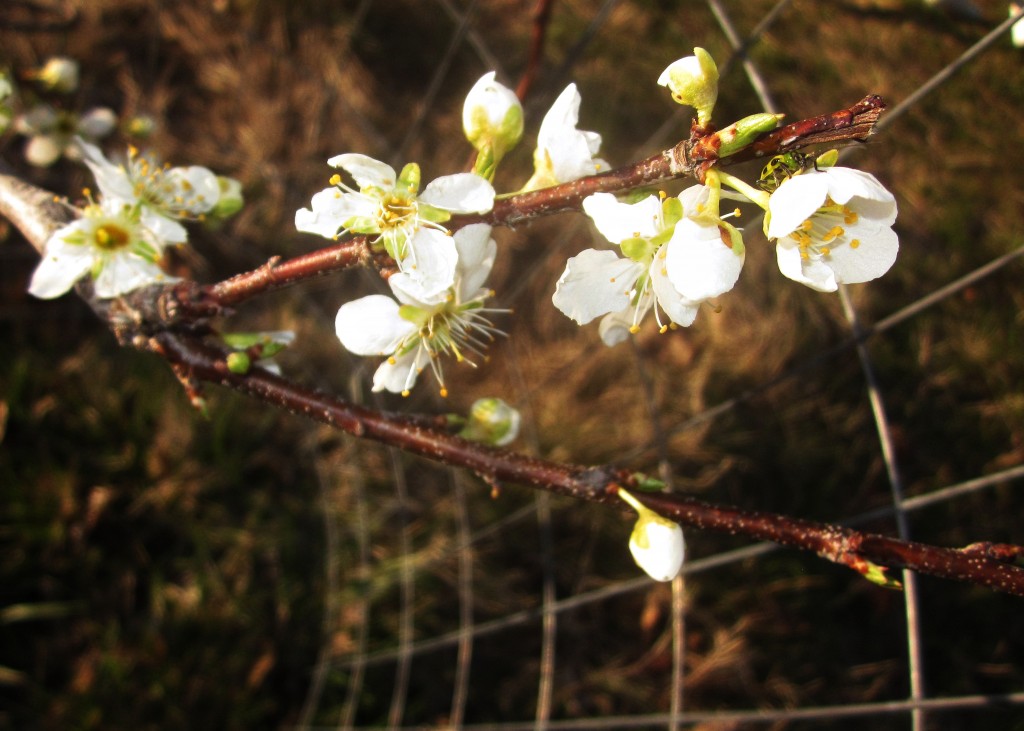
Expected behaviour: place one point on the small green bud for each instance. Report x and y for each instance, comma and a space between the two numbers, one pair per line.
409, 178
739, 134
239, 362
693, 81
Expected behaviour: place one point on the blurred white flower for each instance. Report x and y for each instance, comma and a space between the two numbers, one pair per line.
53, 134
58, 74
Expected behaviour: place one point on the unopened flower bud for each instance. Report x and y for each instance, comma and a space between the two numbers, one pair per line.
230, 201
656, 543
739, 134
140, 126
59, 74
693, 81
97, 123
491, 421
492, 119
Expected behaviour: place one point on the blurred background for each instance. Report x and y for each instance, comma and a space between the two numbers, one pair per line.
250, 570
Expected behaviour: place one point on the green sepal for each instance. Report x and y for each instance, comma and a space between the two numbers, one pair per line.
416, 315
672, 211
434, 215
735, 238
486, 164
409, 179
637, 249
646, 483
827, 159
876, 575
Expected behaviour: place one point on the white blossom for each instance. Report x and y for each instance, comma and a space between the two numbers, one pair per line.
563, 152
420, 325
677, 255
53, 134
110, 243
833, 226
407, 221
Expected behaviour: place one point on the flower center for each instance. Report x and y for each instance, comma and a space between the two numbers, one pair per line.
111, 237
825, 230
397, 212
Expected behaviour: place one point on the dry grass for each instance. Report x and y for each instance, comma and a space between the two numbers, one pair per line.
189, 554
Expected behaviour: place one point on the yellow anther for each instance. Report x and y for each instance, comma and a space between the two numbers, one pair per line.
662, 195
806, 225
834, 233
391, 360
634, 329
850, 217
335, 179
855, 243
443, 392
663, 329
636, 234
737, 212
825, 251
405, 393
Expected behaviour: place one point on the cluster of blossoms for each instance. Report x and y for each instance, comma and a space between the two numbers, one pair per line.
120, 239
669, 254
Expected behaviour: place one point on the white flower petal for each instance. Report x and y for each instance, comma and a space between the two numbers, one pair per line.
331, 208
863, 193
614, 327
44, 150
679, 309
97, 123
430, 266
595, 283
371, 325
812, 272
366, 171
477, 251
459, 193
699, 263
199, 188
62, 264
619, 221
658, 547
165, 230
875, 253
795, 201
124, 272
401, 375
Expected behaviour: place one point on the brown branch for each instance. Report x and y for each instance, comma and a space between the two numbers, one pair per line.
978, 564
541, 18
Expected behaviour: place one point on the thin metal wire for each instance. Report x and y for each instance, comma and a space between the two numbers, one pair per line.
757, 82
430, 95
464, 657
403, 666
910, 593
767, 716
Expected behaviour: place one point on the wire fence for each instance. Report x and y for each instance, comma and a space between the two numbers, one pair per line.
919, 706
448, 607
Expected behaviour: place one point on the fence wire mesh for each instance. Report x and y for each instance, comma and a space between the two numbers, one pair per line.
895, 406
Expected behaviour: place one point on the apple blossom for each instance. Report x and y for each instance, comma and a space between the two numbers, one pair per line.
423, 324
563, 152
111, 243
833, 226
